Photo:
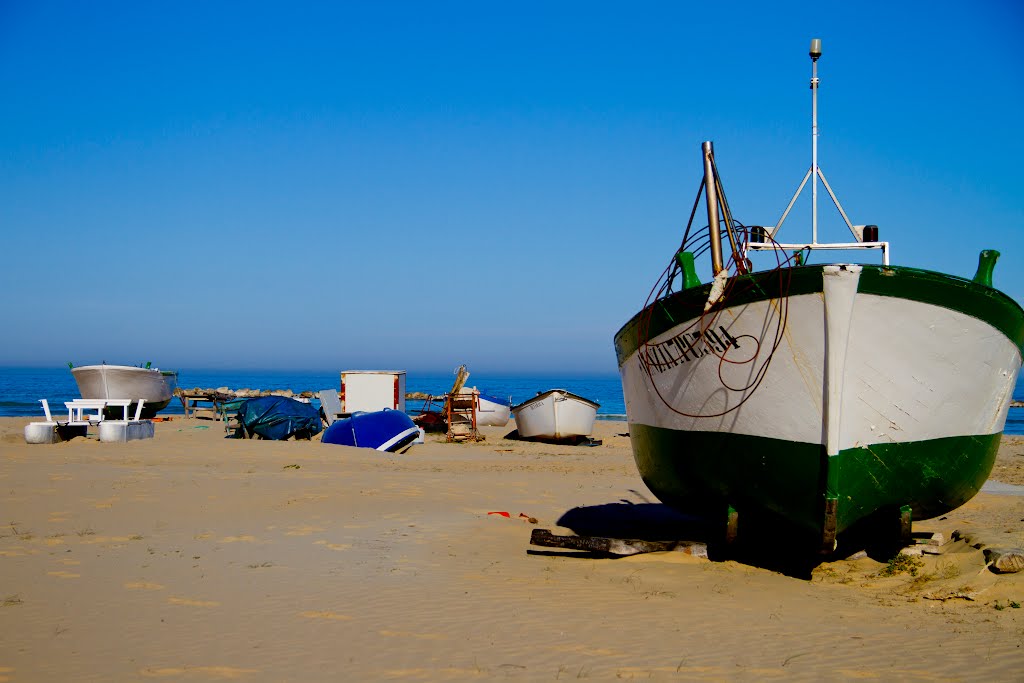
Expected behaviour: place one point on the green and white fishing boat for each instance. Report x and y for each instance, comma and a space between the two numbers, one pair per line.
821, 395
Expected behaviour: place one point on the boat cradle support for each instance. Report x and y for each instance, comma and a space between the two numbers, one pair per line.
732, 518
906, 520
904, 525
828, 532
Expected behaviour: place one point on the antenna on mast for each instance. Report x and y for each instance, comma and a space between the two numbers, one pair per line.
866, 236
815, 54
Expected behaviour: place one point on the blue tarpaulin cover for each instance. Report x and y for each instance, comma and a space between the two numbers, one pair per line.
279, 417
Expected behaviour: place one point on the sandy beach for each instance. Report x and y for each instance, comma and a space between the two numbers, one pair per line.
198, 558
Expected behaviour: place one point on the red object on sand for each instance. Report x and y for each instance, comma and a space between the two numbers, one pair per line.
503, 514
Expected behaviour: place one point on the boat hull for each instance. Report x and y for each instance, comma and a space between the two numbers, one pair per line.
823, 395
156, 388
492, 411
763, 475
556, 414
385, 430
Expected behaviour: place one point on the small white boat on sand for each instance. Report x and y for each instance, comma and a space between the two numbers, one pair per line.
154, 386
490, 410
555, 414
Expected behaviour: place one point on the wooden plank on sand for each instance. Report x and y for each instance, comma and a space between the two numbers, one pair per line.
615, 546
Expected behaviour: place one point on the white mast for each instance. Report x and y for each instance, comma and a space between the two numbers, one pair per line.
815, 53
865, 238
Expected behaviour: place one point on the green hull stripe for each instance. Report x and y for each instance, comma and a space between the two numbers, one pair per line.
955, 293
702, 472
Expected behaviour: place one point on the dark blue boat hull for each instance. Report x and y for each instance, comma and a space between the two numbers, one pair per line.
384, 430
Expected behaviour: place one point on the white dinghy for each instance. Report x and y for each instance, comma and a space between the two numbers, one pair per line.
555, 414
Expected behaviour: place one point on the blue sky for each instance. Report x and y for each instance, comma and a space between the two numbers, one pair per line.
419, 185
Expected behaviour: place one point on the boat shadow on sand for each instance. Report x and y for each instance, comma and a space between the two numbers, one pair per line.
766, 544
574, 440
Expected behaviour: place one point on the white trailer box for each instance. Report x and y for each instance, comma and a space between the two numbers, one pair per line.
371, 390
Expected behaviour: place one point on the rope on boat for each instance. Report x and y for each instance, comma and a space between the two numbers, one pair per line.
737, 265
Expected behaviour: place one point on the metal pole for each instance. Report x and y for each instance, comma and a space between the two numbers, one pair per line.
711, 198
815, 53
778, 226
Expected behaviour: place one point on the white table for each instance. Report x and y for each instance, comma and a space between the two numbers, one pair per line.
79, 409
121, 403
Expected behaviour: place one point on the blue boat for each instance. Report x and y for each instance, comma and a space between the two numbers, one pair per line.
383, 430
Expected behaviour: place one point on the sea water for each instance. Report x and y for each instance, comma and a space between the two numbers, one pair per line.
21, 388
